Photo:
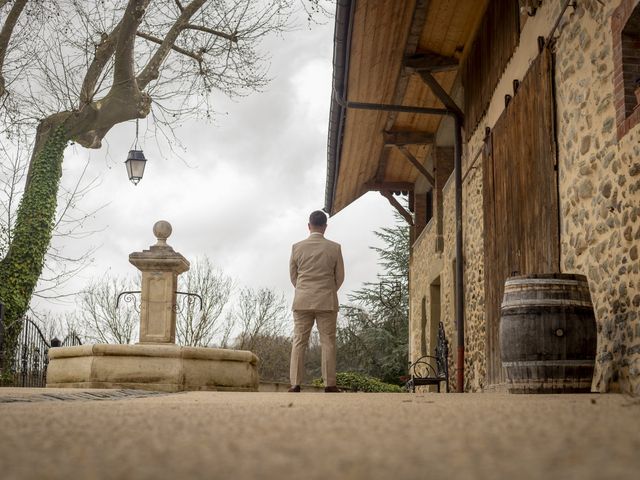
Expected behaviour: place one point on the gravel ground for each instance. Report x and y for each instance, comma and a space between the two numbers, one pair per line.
123, 434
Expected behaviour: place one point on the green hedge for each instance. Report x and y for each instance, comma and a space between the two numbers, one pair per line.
359, 382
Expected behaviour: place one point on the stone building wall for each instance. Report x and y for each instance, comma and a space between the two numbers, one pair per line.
473, 252
473, 267
447, 276
427, 265
600, 191
424, 268
424, 260
416, 273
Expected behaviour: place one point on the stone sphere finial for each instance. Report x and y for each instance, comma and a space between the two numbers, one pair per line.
162, 230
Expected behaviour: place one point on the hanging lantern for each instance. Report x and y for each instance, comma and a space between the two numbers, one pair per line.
135, 165
135, 161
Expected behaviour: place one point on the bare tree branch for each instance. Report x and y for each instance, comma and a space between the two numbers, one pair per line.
59, 267
104, 322
260, 312
197, 327
123, 68
71, 67
152, 69
151, 38
104, 51
5, 36
232, 37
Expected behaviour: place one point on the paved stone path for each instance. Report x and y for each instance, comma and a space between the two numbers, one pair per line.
48, 395
212, 435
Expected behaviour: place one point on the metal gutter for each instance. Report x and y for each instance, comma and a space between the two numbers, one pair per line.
459, 300
337, 112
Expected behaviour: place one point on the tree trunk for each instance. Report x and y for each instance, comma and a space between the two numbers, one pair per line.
22, 265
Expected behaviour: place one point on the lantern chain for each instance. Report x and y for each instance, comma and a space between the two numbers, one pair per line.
135, 146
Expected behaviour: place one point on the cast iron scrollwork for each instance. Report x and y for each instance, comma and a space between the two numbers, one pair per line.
129, 297
188, 300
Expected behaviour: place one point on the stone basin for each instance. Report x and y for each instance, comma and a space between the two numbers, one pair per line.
159, 367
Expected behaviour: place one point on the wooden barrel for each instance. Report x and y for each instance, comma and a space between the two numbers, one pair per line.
547, 334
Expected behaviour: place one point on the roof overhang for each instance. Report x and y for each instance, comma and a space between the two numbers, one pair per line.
383, 50
337, 112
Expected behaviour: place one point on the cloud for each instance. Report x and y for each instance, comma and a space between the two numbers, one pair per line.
245, 185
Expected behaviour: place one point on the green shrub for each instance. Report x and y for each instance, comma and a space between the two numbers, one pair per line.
359, 382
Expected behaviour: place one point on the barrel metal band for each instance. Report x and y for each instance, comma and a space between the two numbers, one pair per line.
547, 302
550, 363
543, 281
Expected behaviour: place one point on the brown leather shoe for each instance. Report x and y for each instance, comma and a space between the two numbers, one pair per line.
294, 389
333, 389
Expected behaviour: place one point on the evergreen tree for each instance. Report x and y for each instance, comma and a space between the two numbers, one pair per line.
373, 331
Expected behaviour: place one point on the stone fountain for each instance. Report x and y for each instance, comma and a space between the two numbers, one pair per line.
156, 362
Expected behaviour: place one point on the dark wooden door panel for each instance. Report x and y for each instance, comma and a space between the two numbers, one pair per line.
520, 196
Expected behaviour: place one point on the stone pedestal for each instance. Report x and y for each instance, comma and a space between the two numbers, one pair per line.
160, 267
155, 363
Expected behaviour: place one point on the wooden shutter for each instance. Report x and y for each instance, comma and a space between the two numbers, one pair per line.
520, 196
492, 48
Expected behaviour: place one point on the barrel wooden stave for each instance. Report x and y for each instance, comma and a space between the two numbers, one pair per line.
548, 334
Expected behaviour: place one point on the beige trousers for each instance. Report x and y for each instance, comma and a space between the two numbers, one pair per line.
302, 325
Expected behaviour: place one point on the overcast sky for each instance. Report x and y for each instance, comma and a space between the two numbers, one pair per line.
246, 183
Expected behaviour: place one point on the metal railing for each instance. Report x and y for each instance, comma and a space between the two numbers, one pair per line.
25, 365
1, 329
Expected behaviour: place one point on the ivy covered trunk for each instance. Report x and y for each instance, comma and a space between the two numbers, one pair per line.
22, 265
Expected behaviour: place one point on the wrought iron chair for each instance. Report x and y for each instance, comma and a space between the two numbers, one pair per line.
423, 372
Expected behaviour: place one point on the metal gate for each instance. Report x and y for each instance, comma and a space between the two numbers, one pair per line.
27, 366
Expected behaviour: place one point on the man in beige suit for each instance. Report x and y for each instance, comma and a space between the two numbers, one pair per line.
317, 271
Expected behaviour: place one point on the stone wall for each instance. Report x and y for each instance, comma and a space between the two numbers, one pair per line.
424, 268
600, 191
447, 276
430, 266
473, 252
427, 265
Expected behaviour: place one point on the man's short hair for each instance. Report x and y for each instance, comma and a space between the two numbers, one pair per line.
318, 218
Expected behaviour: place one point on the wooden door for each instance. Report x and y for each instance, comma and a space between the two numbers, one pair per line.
520, 197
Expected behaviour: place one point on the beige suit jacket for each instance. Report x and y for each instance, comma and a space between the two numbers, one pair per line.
317, 272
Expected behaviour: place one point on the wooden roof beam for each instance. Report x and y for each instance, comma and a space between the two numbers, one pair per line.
418, 22
441, 93
431, 62
396, 204
408, 138
389, 186
414, 161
